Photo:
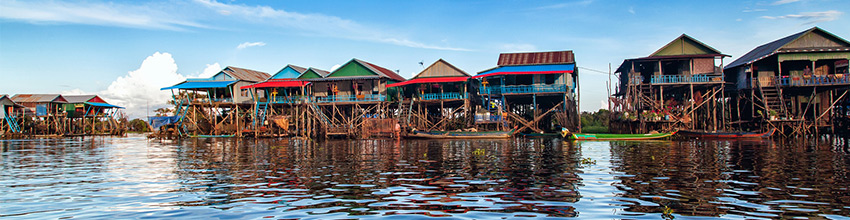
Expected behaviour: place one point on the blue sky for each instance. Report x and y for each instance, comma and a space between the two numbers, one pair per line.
126, 50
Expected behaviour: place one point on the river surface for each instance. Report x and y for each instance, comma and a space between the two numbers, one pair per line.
210, 178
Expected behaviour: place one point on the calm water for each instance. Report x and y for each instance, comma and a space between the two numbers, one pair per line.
228, 178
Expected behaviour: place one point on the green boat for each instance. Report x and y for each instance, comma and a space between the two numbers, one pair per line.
605, 137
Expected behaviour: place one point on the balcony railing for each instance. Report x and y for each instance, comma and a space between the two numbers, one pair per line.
286, 99
814, 80
351, 98
699, 78
441, 96
525, 89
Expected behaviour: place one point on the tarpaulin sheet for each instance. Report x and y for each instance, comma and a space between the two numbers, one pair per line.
531, 69
98, 104
160, 121
277, 84
41, 110
200, 85
430, 80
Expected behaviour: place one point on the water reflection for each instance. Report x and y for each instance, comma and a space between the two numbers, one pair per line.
733, 178
294, 178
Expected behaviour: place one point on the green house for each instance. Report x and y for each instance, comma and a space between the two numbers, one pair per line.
355, 81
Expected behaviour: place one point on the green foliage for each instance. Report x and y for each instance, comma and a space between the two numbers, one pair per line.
138, 125
595, 120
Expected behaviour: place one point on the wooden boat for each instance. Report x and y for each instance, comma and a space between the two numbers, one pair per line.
606, 137
460, 134
727, 134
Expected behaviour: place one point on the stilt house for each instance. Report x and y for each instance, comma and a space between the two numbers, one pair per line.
530, 90
679, 86
436, 98
798, 83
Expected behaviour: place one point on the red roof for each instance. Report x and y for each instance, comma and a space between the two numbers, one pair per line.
431, 80
276, 84
534, 58
385, 71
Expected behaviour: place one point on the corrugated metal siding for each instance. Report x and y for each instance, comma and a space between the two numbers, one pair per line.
555, 57
441, 68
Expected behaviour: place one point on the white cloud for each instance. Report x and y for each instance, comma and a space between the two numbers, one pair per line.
335, 67
632, 10
811, 17
518, 47
103, 14
782, 2
210, 70
140, 88
180, 17
75, 92
603, 104
747, 10
250, 44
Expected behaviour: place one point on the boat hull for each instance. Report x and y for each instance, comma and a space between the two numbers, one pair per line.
460, 135
726, 135
607, 137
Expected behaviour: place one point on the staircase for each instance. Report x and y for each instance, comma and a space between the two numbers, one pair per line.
647, 96
773, 101
13, 124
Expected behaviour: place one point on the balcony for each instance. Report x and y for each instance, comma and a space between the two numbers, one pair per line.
675, 79
351, 98
813, 80
443, 96
286, 99
526, 89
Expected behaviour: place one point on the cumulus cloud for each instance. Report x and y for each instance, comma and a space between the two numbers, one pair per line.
337, 66
811, 17
518, 47
210, 70
139, 89
250, 44
94, 13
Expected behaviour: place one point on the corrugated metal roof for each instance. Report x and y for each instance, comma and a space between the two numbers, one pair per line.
322, 73
298, 68
380, 70
6, 100
24, 98
246, 74
534, 58
431, 80
78, 98
771, 48
531, 69
277, 84
200, 85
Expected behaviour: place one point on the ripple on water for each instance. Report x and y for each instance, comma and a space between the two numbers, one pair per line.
132, 177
